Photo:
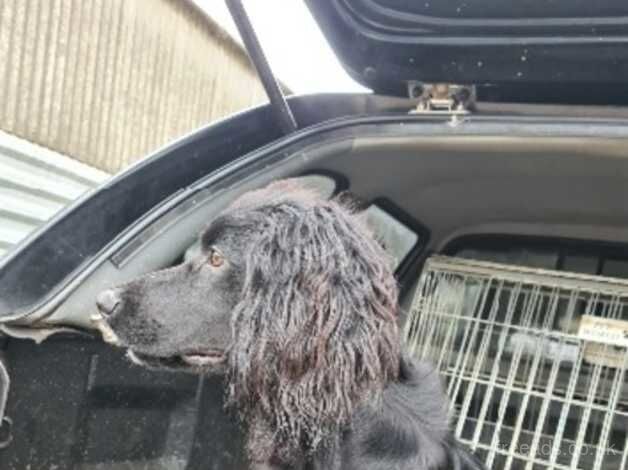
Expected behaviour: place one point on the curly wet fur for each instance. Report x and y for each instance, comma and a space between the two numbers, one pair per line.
315, 334
301, 318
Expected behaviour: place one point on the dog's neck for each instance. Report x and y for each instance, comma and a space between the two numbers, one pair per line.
410, 417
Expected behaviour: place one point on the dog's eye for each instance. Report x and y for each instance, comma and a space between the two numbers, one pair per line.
215, 258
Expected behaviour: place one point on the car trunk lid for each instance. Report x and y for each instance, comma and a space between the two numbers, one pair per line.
557, 48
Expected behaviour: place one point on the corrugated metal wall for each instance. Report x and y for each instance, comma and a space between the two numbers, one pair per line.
107, 81
35, 183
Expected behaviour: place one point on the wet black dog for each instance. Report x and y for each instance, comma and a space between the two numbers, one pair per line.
294, 302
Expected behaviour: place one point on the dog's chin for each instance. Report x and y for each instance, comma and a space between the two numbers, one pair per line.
205, 363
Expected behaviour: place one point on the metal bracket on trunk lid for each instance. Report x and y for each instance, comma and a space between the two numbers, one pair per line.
442, 98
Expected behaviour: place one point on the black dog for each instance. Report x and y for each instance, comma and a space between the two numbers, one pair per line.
294, 301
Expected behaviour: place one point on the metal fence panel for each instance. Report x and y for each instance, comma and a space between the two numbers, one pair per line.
35, 183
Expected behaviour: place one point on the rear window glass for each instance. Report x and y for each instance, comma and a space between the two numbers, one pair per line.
397, 238
615, 268
595, 258
532, 257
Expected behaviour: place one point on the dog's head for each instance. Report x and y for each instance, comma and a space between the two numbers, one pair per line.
291, 296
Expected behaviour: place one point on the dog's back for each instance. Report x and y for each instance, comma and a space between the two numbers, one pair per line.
408, 431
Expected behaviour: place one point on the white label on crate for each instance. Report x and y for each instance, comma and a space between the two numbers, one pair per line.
604, 330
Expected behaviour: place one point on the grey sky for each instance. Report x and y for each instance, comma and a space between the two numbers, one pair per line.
295, 47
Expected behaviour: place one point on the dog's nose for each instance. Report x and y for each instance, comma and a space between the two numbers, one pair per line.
107, 301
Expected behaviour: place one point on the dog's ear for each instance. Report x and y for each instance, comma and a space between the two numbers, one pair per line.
315, 332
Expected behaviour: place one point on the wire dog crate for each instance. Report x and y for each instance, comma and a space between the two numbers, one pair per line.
534, 361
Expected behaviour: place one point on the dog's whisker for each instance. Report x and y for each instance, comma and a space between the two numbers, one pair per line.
108, 335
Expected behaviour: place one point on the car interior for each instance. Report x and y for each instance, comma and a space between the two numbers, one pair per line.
529, 196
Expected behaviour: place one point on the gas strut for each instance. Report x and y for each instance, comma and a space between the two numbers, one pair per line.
278, 103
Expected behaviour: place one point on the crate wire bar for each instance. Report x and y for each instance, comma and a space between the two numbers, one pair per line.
527, 391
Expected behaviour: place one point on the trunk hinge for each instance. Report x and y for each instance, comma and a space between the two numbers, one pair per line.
442, 98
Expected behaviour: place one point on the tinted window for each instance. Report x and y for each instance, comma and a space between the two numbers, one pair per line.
397, 238
521, 256
615, 268
595, 258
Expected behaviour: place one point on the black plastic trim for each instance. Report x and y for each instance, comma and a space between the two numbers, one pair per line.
384, 48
